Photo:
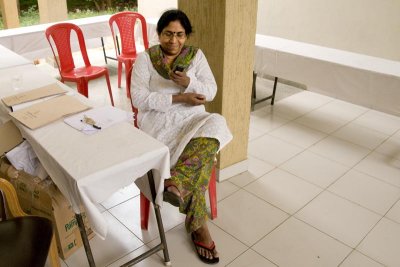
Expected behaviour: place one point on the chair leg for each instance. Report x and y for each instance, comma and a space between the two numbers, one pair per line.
109, 87
212, 192
128, 75
119, 73
82, 87
144, 211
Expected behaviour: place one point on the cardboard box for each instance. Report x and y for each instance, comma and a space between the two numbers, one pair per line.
42, 197
10, 137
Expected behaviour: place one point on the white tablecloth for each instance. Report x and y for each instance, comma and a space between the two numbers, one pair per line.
90, 168
9, 58
360, 79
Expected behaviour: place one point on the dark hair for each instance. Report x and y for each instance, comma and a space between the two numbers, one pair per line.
174, 15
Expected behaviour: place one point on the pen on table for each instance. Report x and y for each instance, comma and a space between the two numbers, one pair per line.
93, 125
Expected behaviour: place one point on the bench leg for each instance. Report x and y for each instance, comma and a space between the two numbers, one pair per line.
253, 91
254, 101
274, 90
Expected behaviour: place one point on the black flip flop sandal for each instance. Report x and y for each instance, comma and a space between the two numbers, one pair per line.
209, 248
171, 198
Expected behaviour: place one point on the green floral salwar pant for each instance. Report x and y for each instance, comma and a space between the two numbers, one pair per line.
191, 175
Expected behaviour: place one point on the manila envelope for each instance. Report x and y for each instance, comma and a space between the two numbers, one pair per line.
48, 111
48, 90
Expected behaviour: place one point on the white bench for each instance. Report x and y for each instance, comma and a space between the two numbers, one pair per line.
360, 79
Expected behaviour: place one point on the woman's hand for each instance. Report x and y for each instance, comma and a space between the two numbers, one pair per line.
180, 78
192, 99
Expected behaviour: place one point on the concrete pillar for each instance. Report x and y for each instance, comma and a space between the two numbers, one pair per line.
225, 30
154, 8
52, 10
9, 12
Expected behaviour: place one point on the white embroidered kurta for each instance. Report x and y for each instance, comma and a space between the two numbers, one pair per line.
175, 124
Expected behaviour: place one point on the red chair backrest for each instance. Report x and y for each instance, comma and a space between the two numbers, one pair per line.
126, 22
61, 35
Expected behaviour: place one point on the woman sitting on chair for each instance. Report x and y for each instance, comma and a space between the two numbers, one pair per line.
171, 82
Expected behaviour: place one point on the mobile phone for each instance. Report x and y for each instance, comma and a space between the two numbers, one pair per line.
179, 68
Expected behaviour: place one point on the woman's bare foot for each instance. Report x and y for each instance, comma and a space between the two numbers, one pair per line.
204, 244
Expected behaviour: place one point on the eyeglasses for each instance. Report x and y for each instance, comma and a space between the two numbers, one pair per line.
170, 35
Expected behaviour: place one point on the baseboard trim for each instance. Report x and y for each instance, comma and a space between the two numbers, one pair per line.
233, 170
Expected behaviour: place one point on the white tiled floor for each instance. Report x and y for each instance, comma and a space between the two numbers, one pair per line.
322, 189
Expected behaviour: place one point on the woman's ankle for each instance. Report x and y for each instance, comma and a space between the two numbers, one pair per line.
202, 234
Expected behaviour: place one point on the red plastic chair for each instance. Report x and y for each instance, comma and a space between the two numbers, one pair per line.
145, 203
126, 22
60, 35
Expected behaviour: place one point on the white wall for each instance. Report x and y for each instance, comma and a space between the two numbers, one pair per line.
154, 8
369, 27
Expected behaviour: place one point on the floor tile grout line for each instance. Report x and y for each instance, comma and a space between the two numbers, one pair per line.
336, 130
294, 216
144, 243
327, 189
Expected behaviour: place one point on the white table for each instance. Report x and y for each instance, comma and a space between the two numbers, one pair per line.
364, 80
9, 58
31, 42
81, 165
89, 168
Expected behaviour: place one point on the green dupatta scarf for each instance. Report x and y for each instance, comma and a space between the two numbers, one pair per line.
184, 59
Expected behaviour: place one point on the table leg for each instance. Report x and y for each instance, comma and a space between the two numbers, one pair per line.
163, 245
85, 240
158, 218
104, 50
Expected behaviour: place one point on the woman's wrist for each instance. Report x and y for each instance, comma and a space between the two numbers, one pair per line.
177, 98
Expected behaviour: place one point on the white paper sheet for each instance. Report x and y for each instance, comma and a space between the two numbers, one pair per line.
104, 117
22, 157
